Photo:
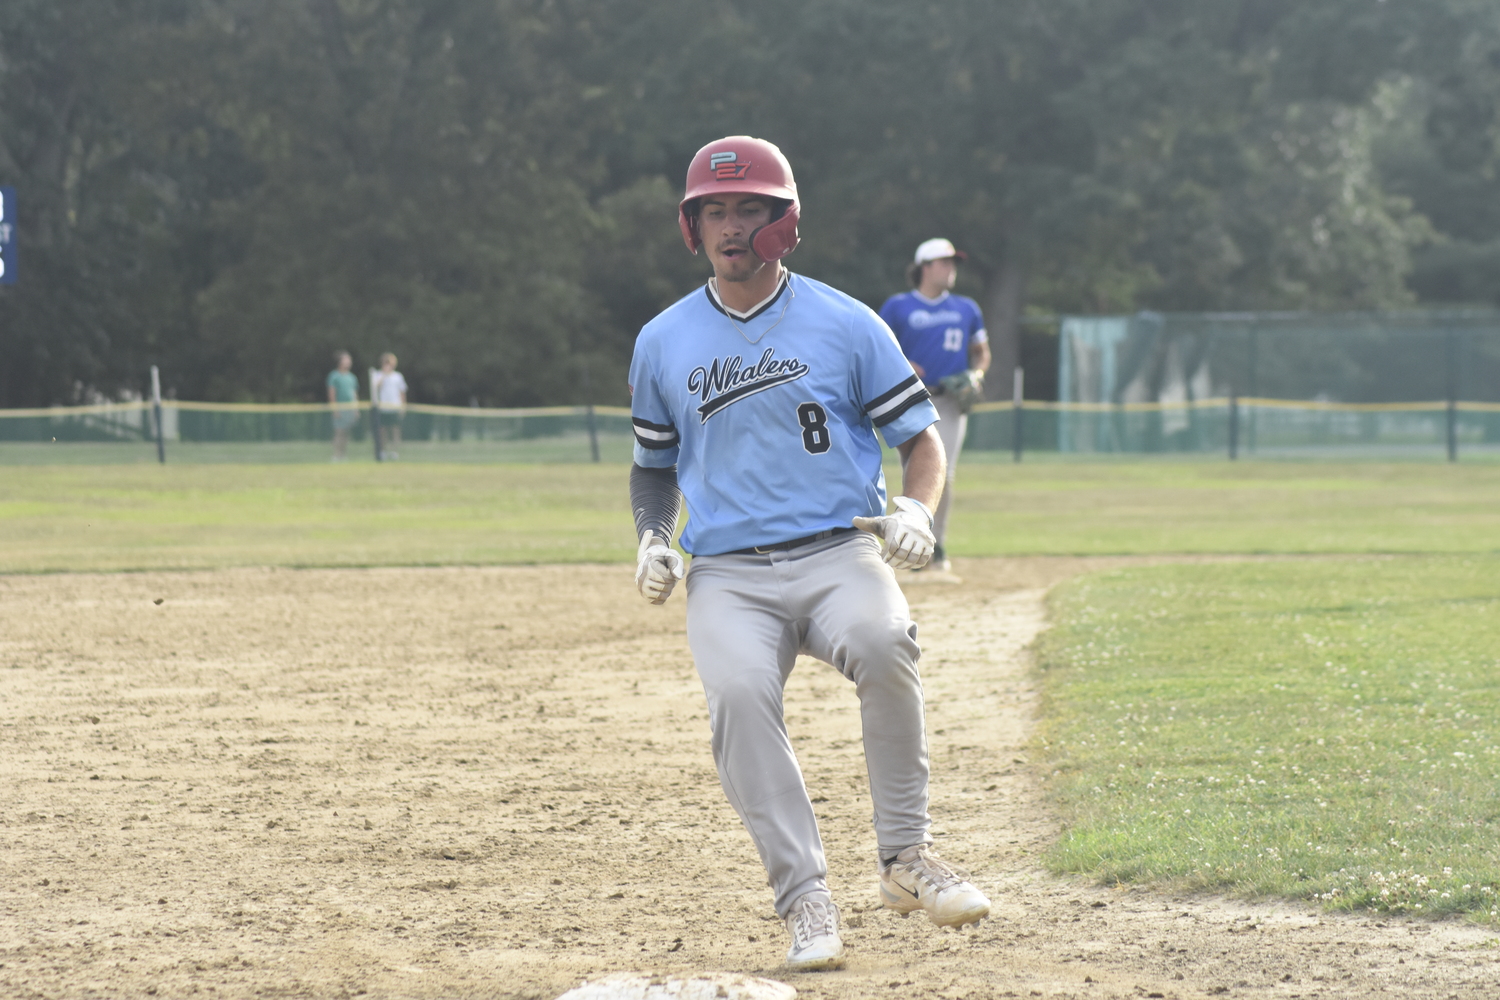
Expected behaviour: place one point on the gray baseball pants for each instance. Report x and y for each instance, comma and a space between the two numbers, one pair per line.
748, 617
951, 427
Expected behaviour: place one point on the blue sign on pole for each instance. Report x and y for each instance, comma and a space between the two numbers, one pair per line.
7, 236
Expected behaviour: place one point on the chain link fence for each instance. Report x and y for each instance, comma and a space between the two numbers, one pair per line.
1414, 384
266, 432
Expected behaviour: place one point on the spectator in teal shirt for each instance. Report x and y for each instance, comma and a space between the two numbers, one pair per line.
343, 398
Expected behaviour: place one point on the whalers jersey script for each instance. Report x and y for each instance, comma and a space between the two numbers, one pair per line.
771, 418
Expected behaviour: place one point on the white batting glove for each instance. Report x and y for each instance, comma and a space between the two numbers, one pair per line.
907, 533
658, 567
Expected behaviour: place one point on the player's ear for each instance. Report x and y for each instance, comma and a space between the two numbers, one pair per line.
687, 221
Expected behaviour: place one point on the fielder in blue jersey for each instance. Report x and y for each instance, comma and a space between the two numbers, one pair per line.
757, 399
943, 336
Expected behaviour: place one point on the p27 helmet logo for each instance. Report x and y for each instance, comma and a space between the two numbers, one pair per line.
726, 168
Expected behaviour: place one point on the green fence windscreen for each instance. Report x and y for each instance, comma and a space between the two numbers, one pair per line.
1389, 357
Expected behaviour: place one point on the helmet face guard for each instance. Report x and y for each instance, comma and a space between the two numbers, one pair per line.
740, 164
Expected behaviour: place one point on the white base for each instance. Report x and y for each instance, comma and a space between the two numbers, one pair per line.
705, 986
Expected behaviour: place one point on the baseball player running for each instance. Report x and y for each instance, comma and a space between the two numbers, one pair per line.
943, 335
757, 399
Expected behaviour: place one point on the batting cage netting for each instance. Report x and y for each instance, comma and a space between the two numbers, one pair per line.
1278, 383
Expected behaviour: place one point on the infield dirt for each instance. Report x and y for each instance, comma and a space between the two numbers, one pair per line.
497, 782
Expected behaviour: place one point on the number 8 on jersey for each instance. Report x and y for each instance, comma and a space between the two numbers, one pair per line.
814, 423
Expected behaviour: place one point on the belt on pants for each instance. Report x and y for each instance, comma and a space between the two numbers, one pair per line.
765, 550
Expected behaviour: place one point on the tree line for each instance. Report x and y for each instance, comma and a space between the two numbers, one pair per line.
234, 189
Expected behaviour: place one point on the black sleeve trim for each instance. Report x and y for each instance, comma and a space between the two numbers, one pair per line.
656, 437
886, 418
655, 501
886, 397
890, 405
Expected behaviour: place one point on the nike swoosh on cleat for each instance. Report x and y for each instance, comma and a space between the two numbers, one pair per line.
904, 889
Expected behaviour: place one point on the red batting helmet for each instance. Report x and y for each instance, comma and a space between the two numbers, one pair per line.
739, 164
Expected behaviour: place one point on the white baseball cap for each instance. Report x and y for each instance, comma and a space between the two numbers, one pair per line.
938, 249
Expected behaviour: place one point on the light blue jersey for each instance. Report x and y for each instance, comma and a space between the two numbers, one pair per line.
770, 417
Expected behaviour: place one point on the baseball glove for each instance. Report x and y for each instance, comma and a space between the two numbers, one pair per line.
965, 387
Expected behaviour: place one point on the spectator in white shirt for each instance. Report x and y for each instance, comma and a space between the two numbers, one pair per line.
390, 402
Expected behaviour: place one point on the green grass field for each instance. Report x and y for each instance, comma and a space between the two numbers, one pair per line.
1248, 507
144, 516
204, 516
1323, 729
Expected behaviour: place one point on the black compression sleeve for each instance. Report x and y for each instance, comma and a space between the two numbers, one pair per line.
656, 501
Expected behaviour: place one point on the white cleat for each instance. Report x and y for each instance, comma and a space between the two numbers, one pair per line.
813, 922
919, 880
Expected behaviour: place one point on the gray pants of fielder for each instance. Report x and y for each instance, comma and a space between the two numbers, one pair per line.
951, 427
748, 618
